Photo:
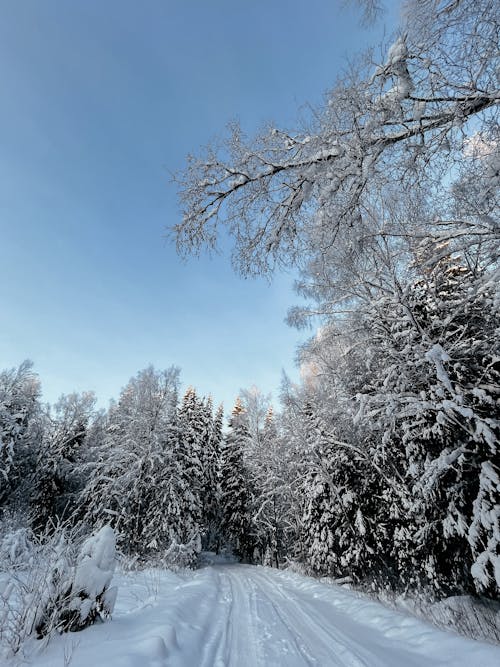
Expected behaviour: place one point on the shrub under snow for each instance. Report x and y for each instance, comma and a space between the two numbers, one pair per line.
66, 588
82, 594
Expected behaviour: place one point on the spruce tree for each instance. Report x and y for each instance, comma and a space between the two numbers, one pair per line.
211, 501
434, 407
321, 547
234, 497
192, 439
175, 505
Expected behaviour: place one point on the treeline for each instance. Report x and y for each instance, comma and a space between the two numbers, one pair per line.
383, 465
154, 467
398, 423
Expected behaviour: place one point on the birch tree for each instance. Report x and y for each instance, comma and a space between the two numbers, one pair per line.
285, 196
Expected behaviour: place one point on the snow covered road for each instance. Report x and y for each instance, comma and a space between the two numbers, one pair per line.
242, 616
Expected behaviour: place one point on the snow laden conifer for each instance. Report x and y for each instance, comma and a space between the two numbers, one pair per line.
320, 543
211, 500
457, 454
484, 530
436, 403
208, 462
236, 527
169, 535
193, 434
180, 501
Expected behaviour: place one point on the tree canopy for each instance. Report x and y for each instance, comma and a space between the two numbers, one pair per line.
400, 128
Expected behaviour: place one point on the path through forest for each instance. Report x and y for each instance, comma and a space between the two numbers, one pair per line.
246, 616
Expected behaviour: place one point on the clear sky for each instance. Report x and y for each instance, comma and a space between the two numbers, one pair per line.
100, 99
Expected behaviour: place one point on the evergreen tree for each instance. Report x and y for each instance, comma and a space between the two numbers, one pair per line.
321, 545
211, 502
234, 498
435, 408
173, 522
193, 436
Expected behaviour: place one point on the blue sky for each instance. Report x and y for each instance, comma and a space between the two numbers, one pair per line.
100, 101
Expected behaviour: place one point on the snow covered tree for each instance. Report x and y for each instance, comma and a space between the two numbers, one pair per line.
339, 524
194, 429
484, 530
256, 406
58, 476
433, 408
291, 468
321, 548
287, 196
265, 503
21, 428
174, 527
132, 475
271, 493
260, 469
234, 497
211, 500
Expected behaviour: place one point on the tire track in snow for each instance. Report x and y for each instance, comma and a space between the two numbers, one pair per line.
302, 653
325, 647
287, 644
255, 618
248, 616
361, 646
217, 628
329, 645
230, 635
245, 626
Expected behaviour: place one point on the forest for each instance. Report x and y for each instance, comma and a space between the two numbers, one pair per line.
383, 464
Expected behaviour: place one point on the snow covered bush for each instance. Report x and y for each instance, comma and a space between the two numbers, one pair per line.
64, 586
182, 554
78, 595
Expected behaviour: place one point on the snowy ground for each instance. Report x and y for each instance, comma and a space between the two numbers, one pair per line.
241, 616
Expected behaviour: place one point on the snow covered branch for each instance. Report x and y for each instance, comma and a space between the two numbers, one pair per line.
273, 191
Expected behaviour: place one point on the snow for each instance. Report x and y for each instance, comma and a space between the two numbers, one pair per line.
438, 356
96, 563
242, 616
15, 548
397, 54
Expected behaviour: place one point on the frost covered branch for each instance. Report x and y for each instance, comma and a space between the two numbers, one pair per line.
281, 192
